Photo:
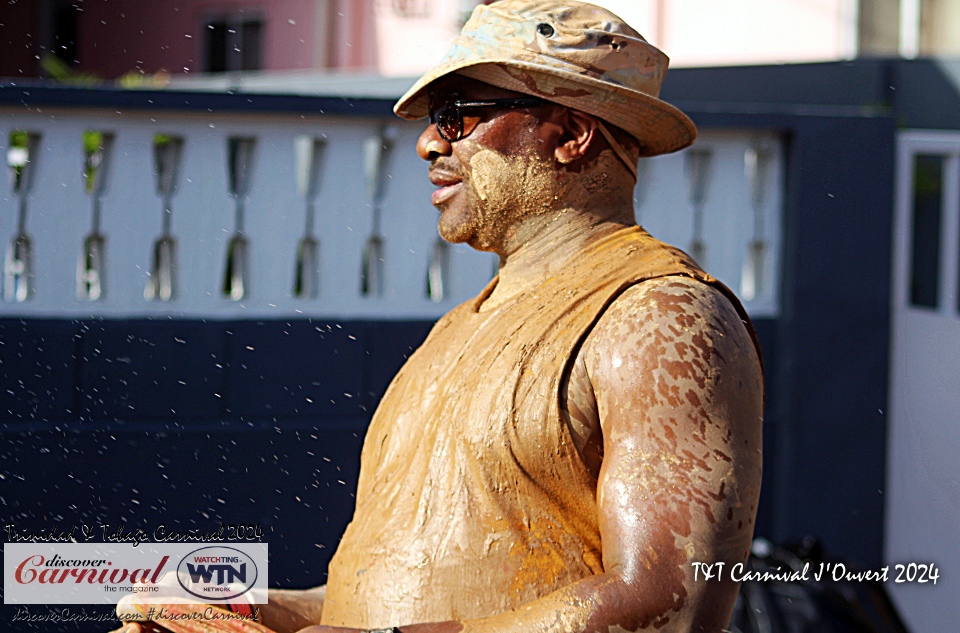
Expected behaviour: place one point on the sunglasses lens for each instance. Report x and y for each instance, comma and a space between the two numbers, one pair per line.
449, 122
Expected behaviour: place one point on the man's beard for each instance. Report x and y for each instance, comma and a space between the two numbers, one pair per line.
498, 192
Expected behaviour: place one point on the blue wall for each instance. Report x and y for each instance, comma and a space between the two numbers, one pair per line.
192, 424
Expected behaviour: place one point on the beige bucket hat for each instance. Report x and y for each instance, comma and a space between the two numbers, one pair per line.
569, 52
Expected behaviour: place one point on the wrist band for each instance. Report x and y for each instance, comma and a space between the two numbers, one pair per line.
390, 630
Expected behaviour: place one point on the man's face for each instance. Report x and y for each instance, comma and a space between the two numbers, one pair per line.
500, 171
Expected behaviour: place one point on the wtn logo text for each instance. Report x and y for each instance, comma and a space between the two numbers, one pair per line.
225, 572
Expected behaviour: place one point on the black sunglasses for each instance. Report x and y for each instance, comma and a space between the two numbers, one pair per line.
449, 117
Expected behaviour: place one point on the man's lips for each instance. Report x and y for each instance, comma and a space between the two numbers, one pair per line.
443, 178
449, 185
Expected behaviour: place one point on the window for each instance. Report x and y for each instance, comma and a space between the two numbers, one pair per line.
927, 212
234, 43
65, 16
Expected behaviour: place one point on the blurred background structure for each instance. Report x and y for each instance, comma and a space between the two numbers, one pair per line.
218, 249
109, 38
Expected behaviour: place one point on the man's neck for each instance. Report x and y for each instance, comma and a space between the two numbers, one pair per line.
543, 245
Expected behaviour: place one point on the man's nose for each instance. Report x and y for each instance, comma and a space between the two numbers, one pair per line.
431, 145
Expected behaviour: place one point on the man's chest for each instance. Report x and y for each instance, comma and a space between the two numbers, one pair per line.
483, 384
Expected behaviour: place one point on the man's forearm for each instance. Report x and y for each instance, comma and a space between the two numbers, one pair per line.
590, 604
290, 610
598, 603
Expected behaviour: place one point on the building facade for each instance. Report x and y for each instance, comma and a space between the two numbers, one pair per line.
113, 38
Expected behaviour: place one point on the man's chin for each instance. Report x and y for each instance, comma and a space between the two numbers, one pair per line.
454, 228
452, 237
459, 227
466, 236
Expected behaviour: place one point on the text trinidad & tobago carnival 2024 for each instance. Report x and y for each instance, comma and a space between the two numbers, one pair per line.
121, 534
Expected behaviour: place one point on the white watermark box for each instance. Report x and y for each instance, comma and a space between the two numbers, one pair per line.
103, 573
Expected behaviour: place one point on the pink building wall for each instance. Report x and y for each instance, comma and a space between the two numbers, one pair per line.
352, 34
120, 36
17, 34
711, 33
691, 32
410, 44
117, 36
404, 37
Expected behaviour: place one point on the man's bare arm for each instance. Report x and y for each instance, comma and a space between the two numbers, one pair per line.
679, 392
290, 610
287, 611
678, 388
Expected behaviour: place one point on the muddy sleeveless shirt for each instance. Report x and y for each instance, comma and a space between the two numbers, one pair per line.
472, 498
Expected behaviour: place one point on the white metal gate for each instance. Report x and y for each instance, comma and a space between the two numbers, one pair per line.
923, 475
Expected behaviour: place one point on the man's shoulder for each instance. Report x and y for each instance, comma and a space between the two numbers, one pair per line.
668, 318
680, 299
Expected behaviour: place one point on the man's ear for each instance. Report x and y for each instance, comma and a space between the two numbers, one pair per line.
579, 134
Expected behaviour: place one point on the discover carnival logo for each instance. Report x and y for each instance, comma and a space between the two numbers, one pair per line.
106, 573
57, 570
217, 573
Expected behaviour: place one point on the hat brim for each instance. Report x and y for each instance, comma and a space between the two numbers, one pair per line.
660, 127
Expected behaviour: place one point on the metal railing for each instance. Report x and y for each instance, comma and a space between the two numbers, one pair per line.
140, 212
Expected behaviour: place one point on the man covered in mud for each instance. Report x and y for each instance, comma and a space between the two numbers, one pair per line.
564, 446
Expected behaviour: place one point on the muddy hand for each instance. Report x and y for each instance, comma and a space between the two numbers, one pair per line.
190, 618
138, 627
